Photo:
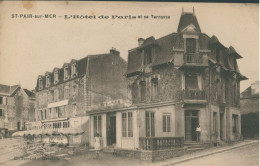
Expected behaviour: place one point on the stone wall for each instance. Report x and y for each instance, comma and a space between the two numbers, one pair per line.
169, 84
151, 156
76, 101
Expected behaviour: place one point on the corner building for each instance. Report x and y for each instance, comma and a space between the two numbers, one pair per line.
177, 82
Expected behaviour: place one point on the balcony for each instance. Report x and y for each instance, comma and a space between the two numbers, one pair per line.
194, 96
158, 143
194, 60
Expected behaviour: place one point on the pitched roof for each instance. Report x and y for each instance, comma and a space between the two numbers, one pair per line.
186, 20
232, 51
8, 90
29, 93
163, 53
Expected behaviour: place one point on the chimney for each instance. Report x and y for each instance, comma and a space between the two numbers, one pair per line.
114, 51
140, 41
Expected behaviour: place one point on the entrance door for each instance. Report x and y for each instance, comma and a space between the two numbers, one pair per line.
191, 123
221, 126
18, 125
112, 131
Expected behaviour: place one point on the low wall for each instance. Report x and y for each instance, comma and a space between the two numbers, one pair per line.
151, 156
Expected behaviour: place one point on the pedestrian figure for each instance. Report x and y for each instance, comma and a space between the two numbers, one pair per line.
198, 132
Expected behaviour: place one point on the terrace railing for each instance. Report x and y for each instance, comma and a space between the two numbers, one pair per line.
158, 143
194, 95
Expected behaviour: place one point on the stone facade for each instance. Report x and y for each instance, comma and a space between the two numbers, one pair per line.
196, 73
17, 107
78, 87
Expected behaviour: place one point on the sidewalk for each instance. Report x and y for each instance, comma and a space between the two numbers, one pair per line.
206, 152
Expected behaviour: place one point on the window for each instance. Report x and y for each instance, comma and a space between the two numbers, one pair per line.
51, 96
59, 112
234, 94
154, 89
40, 84
147, 56
190, 49
223, 91
218, 89
143, 90
66, 92
97, 126
56, 95
66, 125
48, 81
41, 114
191, 82
127, 124
76, 123
1, 100
73, 69
56, 77
1, 112
215, 124
74, 90
234, 123
167, 123
149, 124
66, 73
45, 114
57, 125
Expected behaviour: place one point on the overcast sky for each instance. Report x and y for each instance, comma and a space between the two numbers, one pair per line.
30, 47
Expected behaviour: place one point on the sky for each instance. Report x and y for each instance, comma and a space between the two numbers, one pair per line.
29, 47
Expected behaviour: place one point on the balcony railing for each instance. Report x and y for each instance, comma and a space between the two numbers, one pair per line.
193, 58
193, 95
157, 143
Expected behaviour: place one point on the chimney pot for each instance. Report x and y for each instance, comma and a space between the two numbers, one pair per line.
140, 41
114, 51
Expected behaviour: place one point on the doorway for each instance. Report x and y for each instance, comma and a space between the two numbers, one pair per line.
221, 126
191, 123
111, 131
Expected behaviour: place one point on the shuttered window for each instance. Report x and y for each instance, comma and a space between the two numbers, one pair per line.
127, 124
166, 123
149, 124
97, 126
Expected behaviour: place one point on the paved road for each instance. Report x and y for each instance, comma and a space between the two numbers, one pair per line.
244, 156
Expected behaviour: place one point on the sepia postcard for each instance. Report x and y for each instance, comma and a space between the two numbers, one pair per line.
129, 83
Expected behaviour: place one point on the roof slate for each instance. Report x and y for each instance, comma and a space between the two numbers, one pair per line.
187, 19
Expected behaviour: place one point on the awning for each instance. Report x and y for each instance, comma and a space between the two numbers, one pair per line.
72, 131
65, 131
17, 134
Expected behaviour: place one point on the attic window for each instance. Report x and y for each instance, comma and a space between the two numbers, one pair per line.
190, 49
40, 83
56, 76
147, 56
66, 73
73, 70
47, 81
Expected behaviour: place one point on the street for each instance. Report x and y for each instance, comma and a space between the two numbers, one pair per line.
244, 156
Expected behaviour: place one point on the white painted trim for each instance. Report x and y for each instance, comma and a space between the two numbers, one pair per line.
58, 104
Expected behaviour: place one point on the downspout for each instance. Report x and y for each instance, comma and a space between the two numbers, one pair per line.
210, 68
209, 105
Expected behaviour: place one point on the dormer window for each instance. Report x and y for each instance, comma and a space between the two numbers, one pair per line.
40, 83
56, 77
66, 73
73, 70
190, 49
48, 81
148, 56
